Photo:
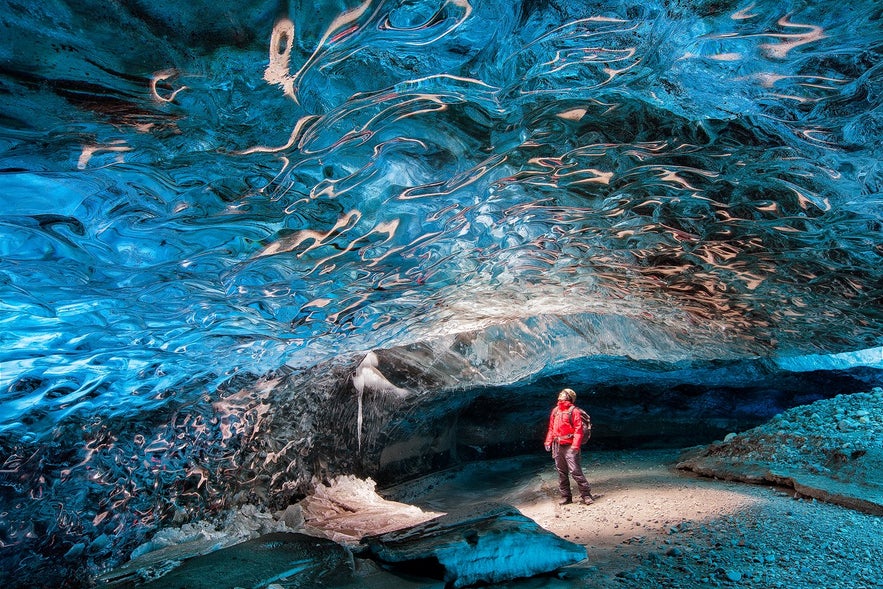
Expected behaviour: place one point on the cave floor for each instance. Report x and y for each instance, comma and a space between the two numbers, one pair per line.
654, 526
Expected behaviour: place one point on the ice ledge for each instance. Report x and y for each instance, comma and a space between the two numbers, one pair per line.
870, 358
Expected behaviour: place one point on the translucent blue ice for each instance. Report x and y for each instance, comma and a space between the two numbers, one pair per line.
191, 191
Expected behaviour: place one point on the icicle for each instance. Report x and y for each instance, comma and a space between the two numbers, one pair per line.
368, 376
359, 420
359, 384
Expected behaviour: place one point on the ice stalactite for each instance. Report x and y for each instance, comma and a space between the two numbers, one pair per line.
369, 378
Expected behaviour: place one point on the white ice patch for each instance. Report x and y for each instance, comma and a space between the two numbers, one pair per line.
369, 378
350, 508
487, 544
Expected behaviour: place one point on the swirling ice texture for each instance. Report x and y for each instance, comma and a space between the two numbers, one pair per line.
192, 192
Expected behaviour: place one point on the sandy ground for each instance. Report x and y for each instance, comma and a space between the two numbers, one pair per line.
655, 526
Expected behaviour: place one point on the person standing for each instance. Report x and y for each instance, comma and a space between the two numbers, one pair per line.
563, 439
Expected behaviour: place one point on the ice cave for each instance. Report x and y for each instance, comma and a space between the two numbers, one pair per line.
288, 289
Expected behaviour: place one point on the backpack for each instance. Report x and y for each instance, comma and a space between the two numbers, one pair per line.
586, 421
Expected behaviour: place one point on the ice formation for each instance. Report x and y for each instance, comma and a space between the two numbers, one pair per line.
249, 246
487, 543
348, 509
215, 191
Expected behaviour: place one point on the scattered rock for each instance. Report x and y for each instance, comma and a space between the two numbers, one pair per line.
732, 575
803, 450
846, 425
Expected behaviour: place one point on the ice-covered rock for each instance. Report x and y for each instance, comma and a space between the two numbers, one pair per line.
482, 544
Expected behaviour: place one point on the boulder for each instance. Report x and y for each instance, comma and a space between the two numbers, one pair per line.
489, 543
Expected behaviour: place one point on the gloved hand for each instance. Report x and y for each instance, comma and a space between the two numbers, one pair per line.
548, 447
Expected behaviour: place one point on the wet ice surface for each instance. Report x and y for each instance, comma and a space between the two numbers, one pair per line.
485, 543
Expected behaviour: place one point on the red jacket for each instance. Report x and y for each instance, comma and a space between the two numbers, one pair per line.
565, 425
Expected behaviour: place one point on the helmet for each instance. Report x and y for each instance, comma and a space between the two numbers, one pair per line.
571, 395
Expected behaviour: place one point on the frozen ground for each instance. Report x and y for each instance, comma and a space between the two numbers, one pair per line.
831, 449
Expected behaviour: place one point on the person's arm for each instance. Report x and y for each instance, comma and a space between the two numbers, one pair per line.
548, 442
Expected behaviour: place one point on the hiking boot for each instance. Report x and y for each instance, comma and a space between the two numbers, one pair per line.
565, 501
587, 500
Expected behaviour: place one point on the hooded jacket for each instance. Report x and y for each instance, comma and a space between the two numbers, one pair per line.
565, 425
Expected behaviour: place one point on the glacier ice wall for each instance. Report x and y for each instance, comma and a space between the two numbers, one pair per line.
195, 190
202, 202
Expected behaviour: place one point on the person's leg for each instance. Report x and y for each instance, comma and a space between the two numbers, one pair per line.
558, 453
576, 471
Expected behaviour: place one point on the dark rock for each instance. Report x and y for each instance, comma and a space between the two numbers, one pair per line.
490, 543
75, 551
301, 561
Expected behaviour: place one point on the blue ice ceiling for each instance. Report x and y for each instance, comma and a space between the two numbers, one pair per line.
195, 189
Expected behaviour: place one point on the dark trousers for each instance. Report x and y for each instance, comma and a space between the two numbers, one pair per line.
567, 463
